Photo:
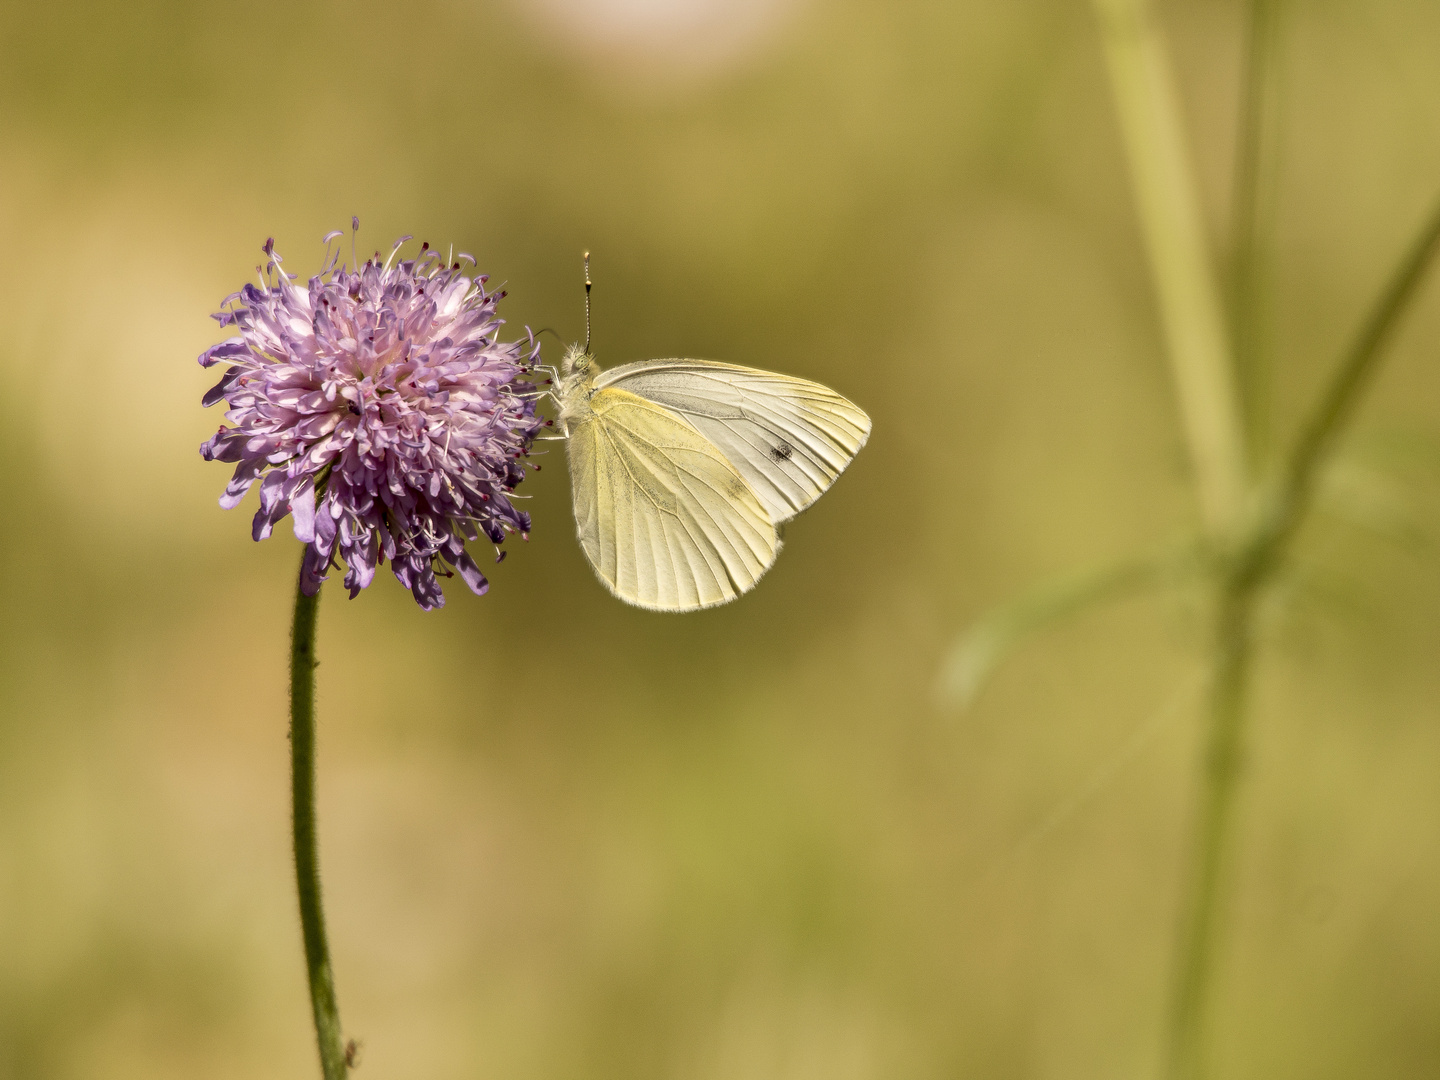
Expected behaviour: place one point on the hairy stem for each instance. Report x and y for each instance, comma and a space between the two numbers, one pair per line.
1143, 85
307, 855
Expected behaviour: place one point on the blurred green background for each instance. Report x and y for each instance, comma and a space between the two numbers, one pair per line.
567, 839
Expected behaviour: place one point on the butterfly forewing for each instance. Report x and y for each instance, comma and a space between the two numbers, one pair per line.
789, 438
665, 519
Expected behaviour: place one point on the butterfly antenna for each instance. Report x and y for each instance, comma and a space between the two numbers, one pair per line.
587, 303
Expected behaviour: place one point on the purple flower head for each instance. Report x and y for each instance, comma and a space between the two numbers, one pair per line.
377, 406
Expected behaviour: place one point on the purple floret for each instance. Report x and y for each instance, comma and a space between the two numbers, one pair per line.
379, 409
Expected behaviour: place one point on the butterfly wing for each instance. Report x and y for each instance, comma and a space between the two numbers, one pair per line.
789, 438
666, 521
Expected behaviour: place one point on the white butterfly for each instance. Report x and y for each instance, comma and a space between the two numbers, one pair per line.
681, 471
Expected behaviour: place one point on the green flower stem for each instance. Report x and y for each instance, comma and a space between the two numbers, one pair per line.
1240, 587
307, 855
1170, 219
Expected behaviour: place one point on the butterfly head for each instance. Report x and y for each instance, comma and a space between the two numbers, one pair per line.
577, 363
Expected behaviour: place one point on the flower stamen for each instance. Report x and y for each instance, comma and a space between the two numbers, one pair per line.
378, 407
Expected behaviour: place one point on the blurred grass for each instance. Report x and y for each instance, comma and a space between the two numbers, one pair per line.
566, 838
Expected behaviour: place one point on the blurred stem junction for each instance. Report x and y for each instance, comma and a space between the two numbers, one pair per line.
1247, 522
307, 850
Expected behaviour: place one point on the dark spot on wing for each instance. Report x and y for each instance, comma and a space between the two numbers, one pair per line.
781, 452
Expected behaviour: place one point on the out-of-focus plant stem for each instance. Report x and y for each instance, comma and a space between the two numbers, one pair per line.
1250, 537
1190, 310
979, 650
1211, 412
1247, 281
1286, 510
307, 855
1255, 560
1195, 948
